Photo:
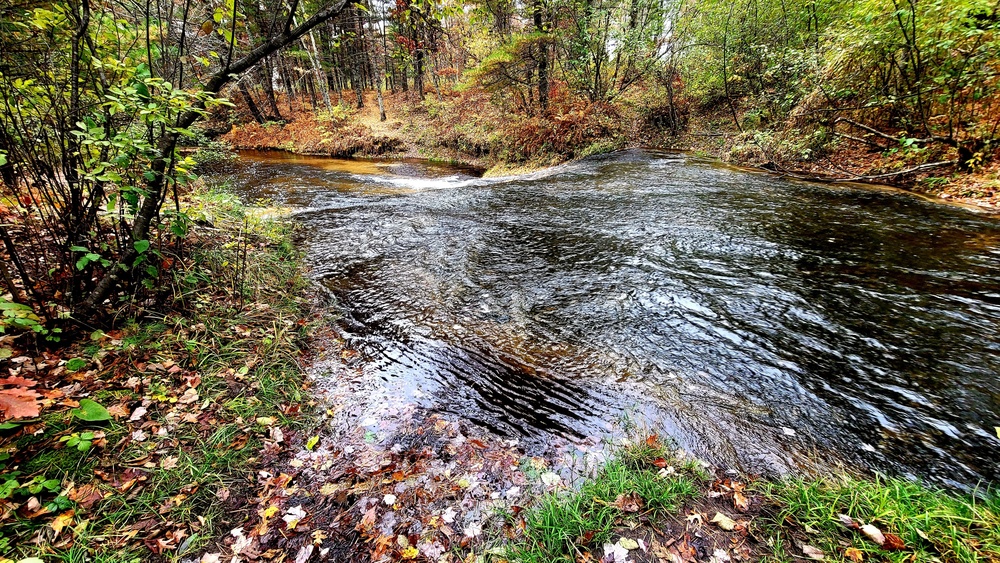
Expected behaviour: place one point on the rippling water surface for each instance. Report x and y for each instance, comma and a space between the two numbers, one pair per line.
761, 322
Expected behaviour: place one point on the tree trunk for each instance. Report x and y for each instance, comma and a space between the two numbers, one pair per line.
272, 102
543, 60
254, 110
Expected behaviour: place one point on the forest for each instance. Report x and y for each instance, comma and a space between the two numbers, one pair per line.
154, 329
100, 100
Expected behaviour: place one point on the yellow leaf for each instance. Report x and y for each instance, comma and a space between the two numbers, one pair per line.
270, 511
410, 553
724, 522
265, 420
318, 537
61, 521
854, 554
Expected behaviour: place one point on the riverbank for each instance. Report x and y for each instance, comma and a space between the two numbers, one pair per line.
148, 438
466, 128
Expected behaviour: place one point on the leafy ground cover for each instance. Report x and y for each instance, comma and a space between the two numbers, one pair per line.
148, 437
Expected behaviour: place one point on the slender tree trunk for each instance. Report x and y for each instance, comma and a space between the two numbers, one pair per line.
725, 73
543, 60
272, 102
248, 99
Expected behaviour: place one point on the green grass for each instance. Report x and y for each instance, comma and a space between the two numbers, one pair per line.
563, 524
934, 524
235, 323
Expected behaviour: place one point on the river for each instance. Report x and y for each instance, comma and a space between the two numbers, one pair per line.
761, 323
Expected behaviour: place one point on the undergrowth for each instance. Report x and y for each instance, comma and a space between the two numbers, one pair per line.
198, 390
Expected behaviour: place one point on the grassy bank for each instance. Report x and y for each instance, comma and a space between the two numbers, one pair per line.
648, 504
152, 431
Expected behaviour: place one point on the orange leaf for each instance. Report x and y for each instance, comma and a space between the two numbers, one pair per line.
18, 381
18, 402
740, 501
854, 554
893, 542
61, 521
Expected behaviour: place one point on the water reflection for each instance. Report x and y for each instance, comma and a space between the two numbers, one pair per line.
762, 322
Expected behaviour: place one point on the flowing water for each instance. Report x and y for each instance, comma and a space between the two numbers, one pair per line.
760, 322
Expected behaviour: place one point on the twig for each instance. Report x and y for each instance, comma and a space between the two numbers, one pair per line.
826, 179
871, 130
918, 168
859, 140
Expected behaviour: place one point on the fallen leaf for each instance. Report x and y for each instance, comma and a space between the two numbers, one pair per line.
168, 462
85, 496
873, 533
189, 396
410, 553
389, 499
368, 520
813, 553
18, 402
893, 542
740, 501
473, 530
614, 553
61, 521
630, 502
242, 542
293, 516
854, 554
311, 443
550, 479
724, 522
848, 522
628, 543
276, 434
304, 553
